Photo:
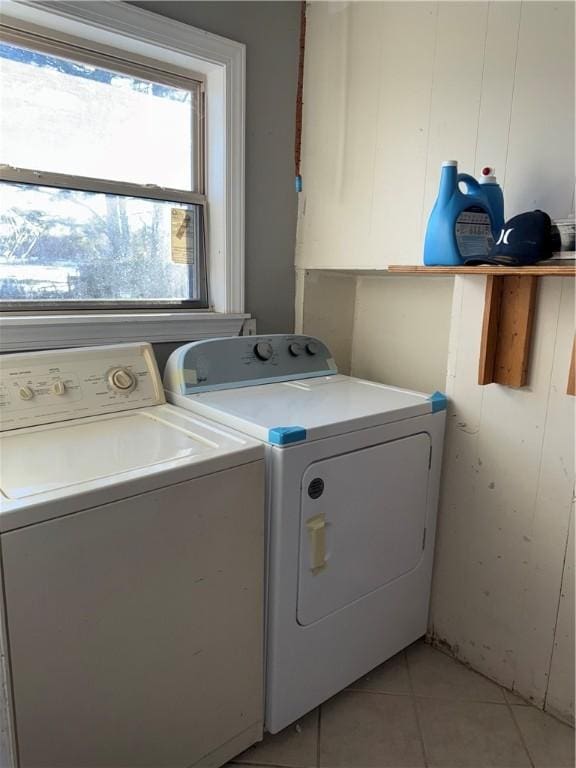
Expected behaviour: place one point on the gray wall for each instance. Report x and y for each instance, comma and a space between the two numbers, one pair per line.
270, 31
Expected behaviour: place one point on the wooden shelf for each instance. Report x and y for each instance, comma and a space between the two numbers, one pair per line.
540, 270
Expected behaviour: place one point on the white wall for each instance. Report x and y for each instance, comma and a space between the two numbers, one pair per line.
507, 489
366, 132
391, 90
325, 308
509, 467
391, 330
394, 88
561, 684
400, 332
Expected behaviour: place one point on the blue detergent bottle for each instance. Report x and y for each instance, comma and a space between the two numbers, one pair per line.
463, 224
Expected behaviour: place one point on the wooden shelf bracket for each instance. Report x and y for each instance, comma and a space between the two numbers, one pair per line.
507, 329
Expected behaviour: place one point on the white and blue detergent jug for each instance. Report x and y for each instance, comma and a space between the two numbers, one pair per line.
463, 225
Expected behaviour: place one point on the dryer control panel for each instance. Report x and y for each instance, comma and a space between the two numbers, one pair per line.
47, 387
243, 361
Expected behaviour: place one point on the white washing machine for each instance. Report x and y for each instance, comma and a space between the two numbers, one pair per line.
132, 546
353, 471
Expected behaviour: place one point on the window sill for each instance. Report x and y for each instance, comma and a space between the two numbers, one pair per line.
23, 331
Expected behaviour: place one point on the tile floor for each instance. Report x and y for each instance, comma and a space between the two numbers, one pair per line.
420, 709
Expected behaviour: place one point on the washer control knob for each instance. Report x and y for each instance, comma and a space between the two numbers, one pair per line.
26, 393
263, 350
58, 388
122, 380
295, 349
312, 348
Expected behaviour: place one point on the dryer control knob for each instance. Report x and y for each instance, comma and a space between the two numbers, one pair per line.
26, 393
58, 388
312, 348
263, 350
122, 380
295, 349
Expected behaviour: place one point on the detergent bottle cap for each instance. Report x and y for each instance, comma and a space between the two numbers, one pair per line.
449, 163
487, 175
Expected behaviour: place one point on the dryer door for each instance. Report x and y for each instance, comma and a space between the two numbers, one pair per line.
363, 518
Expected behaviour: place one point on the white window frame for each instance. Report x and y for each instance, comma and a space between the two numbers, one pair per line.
222, 62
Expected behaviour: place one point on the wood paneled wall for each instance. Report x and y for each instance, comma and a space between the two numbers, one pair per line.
394, 88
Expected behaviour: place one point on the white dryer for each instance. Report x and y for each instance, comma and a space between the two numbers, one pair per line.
132, 546
353, 471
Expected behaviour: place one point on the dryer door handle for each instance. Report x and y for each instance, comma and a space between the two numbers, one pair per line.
317, 532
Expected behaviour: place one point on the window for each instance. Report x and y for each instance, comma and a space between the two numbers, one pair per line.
103, 217
102, 197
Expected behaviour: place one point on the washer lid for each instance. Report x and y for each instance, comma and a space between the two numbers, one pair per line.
310, 409
91, 453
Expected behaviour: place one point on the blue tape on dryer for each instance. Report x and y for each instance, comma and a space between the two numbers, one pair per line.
286, 435
439, 401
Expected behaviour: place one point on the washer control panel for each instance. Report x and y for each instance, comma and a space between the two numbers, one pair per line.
243, 361
46, 387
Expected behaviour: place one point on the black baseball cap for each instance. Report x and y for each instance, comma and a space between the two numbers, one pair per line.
525, 239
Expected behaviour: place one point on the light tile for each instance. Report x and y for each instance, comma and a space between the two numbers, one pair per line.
549, 742
469, 734
436, 675
294, 747
390, 677
360, 729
